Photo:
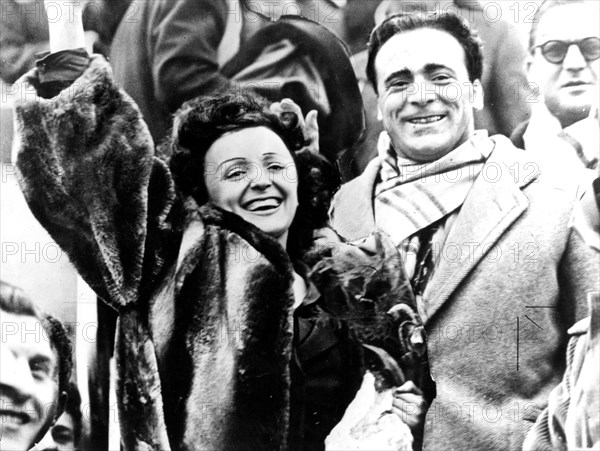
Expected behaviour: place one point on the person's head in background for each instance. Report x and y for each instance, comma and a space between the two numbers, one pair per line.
66, 432
35, 366
564, 49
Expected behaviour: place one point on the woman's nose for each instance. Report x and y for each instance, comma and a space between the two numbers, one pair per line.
260, 178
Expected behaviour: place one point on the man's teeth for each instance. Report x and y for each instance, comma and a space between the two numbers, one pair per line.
426, 120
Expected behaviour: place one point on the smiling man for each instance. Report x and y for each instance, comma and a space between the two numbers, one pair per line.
35, 364
497, 271
563, 66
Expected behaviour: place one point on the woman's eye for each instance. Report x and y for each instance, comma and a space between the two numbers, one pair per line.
235, 173
441, 78
275, 167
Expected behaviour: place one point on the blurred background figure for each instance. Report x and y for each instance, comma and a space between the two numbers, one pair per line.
503, 77
168, 51
563, 66
66, 432
24, 32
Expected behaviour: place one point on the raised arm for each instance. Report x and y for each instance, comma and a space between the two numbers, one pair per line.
66, 27
89, 173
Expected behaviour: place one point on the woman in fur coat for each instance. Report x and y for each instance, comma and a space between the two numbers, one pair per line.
223, 341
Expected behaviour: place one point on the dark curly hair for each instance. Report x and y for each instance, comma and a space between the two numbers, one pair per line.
200, 122
13, 300
452, 24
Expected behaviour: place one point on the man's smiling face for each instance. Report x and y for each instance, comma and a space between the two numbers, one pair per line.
425, 99
28, 381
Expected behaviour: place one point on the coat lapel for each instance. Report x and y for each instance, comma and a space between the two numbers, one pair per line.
352, 214
491, 207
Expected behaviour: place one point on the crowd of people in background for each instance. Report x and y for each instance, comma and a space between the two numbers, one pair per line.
400, 171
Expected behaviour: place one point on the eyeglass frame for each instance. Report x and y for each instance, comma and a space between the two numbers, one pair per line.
569, 44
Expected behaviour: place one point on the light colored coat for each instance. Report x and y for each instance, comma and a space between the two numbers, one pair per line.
512, 278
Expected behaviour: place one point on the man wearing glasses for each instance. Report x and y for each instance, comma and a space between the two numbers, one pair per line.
563, 72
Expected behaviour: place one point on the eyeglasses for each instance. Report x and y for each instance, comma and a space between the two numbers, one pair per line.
556, 51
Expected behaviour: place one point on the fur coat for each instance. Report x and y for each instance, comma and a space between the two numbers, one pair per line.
204, 299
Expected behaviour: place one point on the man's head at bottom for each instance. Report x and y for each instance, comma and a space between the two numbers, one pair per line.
35, 366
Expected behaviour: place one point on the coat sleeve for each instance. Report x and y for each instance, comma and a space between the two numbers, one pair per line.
185, 39
91, 178
579, 277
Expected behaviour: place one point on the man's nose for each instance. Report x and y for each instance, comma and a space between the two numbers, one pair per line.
15, 377
421, 92
574, 60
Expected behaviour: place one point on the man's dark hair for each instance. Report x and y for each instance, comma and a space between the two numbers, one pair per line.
452, 24
543, 9
73, 408
200, 122
13, 300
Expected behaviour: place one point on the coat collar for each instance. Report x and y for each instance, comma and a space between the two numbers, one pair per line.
351, 211
493, 204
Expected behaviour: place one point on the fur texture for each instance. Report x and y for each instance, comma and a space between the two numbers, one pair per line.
205, 299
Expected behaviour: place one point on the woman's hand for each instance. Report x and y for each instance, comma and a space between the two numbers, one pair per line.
65, 24
290, 112
410, 405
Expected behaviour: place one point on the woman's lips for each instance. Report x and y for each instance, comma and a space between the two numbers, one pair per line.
263, 204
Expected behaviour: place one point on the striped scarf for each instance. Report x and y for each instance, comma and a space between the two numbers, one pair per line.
411, 196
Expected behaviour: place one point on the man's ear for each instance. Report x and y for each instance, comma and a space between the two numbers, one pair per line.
60, 406
527, 63
477, 95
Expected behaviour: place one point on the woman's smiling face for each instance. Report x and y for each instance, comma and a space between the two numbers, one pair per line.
251, 172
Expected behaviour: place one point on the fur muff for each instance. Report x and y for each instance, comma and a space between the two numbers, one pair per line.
91, 136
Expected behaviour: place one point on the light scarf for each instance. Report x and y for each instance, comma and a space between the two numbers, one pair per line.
411, 196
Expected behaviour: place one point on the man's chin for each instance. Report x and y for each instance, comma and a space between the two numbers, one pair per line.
572, 112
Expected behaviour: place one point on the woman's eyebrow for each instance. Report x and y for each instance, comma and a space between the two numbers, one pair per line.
229, 160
